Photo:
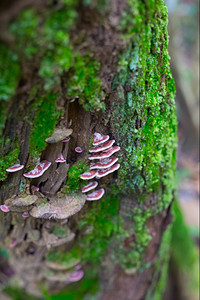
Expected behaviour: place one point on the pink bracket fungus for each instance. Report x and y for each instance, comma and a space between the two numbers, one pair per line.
38, 170
75, 276
88, 175
99, 139
105, 154
89, 187
15, 168
104, 163
60, 159
65, 140
4, 208
78, 149
104, 172
25, 214
102, 147
96, 195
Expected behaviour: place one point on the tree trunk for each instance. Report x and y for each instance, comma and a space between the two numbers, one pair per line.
89, 66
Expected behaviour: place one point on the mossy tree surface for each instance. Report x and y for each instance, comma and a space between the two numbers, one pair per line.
97, 67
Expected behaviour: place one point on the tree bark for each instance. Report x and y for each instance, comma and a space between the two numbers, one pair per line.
91, 67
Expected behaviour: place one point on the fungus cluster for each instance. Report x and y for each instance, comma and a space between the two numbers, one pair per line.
102, 151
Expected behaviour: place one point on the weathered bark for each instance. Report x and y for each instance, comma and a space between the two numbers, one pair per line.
125, 90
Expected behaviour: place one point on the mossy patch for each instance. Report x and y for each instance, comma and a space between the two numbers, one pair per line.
10, 71
144, 117
8, 160
74, 182
46, 117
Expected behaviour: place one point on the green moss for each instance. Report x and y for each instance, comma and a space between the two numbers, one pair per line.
64, 258
85, 84
74, 182
26, 31
8, 160
130, 255
46, 117
10, 70
58, 231
146, 128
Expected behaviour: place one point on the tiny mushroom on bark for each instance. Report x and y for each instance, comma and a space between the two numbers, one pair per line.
89, 187
60, 159
13, 243
58, 135
38, 170
4, 208
75, 276
66, 139
78, 149
96, 195
15, 168
25, 214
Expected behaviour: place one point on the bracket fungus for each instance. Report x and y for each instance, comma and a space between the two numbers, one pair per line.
89, 187
15, 168
38, 170
25, 214
103, 147
99, 139
30, 199
60, 208
65, 140
96, 195
103, 167
75, 276
58, 135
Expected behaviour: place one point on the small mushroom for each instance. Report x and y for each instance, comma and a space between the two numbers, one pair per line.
34, 188
38, 170
106, 146
66, 139
104, 163
104, 172
89, 187
59, 135
78, 149
75, 276
88, 175
25, 214
4, 208
13, 243
15, 168
99, 139
96, 195
105, 154
60, 159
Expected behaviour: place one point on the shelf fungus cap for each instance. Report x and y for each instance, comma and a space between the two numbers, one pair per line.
58, 135
38, 170
102, 147
88, 175
59, 208
105, 154
75, 276
104, 172
96, 195
4, 208
89, 187
60, 159
104, 163
15, 168
99, 139
26, 201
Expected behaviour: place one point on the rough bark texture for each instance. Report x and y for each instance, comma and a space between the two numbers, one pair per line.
92, 67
